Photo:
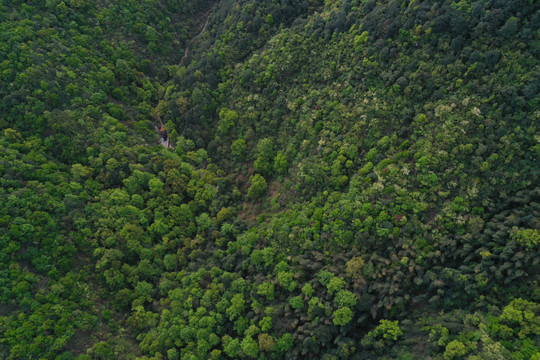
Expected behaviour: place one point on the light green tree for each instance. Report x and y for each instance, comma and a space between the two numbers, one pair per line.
257, 188
281, 164
227, 118
250, 347
238, 149
342, 316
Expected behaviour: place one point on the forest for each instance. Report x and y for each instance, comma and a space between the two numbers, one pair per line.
343, 179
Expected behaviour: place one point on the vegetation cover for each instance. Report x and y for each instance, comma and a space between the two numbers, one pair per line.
348, 179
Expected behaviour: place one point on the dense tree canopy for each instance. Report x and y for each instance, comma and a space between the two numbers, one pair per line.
343, 180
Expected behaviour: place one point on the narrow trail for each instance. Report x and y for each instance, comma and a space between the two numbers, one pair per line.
196, 37
165, 141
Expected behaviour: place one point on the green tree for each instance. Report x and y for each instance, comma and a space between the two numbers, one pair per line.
250, 347
354, 267
297, 302
342, 316
285, 343
528, 238
155, 186
281, 164
144, 291
231, 346
257, 188
80, 172
521, 315
238, 149
266, 342
197, 96
102, 350
454, 349
285, 279
308, 290
169, 261
384, 334
345, 298
237, 306
266, 323
227, 119
335, 284
265, 155
266, 289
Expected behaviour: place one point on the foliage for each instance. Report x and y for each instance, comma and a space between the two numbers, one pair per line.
386, 332
344, 179
257, 188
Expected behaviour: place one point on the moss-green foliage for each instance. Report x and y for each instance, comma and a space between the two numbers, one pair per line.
342, 316
507, 333
529, 238
386, 332
347, 179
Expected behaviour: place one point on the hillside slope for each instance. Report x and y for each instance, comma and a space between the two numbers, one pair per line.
347, 180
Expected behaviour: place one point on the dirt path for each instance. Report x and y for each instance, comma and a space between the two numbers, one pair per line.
196, 37
165, 141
